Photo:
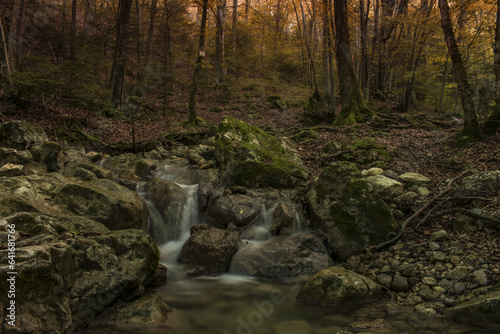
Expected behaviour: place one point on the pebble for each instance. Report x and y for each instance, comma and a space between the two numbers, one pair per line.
433, 246
455, 260
457, 273
445, 283
385, 280
429, 281
423, 191
437, 257
438, 235
400, 283
480, 277
458, 288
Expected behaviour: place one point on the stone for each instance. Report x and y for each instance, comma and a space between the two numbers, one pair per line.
347, 212
458, 288
457, 273
106, 202
437, 257
481, 310
238, 209
13, 156
337, 286
10, 170
385, 186
423, 192
400, 283
372, 171
385, 280
455, 260
414, 178
429, 281
428, 294
280, 257
284, 216
441, 234
84, 170
426, 310
130, 165
434, 246
480, 277
249, 157
445, 283
209, 248
21, 135
47, 153
484, 182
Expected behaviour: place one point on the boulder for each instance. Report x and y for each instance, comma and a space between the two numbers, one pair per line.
130, 165
237, 209
249, 157
347, 212
337, 286
480, 310
486, 182
9, 170
284, 217
169, 198
21, 135
281, 257
85, 170
13, 156
210, 248
67, 272
47, 153
385, 186
106, 202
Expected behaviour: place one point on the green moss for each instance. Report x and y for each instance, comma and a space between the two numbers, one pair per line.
343, 220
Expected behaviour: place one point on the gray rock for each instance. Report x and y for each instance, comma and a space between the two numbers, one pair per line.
400, 283
480, 277
238, 209
280, 257
372, 171
209, 248
488, 182
13, 156
423, 192
428, 294
437, 257
347, 212
414, 178
434, 246
338, 286
438, 235
385, 186
429, 281
249, 157
457, 273
458, 288
481, 310
385, 280
21, 135
284, 216
9, 170
74, 169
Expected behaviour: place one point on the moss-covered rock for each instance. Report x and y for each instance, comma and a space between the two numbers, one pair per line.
106, 202
481, 310
130, 165
78, 167
347, 211
252, 158
21, 135
337, 286
13, 156
237, 209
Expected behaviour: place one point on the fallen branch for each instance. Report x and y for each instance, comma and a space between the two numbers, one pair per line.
419, 211
465, 212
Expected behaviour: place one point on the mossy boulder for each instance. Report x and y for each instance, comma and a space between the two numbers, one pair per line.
480, 310
13, 156
237, 209
337, 286
21, 135
82, 169
347, 212
250, 157
130, 165
47, 153
367, 151
68, 270
106, 202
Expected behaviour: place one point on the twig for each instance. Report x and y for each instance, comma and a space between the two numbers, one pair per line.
419, 211
465, 212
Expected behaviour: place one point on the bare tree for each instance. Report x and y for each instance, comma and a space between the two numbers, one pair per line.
219, 42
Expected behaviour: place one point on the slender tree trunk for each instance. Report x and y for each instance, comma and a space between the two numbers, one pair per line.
199, 61
363, 37
72, 48
118, 67
353, 104
493, 121
139, 39
234, 26
327, 57
314, 81
15, 39
219, 43
5, 54
149, 44
471, 124
247, 8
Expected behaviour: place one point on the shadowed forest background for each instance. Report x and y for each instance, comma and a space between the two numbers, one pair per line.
325, 62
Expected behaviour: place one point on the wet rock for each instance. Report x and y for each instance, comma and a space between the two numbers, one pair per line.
293, 327
238, 209
428, 294
288, 256
347, 212
249, 157
385, 186
480, 310
209, 248
414, 178
106, 202
426, 310
337, 286
21, 135
283, 219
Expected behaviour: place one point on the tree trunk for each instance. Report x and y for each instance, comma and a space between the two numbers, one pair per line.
5, 54
363, 37
234, 25
471, 124
149, 44
15, 38
219, 43
309, 54
493, 121
118, 67
197, 69
72, 48
353, 105
327, 57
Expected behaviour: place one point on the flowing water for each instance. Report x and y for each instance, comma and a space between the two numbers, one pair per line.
232, 304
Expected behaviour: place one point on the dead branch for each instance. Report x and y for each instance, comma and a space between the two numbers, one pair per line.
465, 212
419, 211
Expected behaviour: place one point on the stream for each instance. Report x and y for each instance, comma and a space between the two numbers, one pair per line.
235, 304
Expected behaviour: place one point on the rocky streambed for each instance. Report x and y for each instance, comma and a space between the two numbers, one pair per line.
247, 248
